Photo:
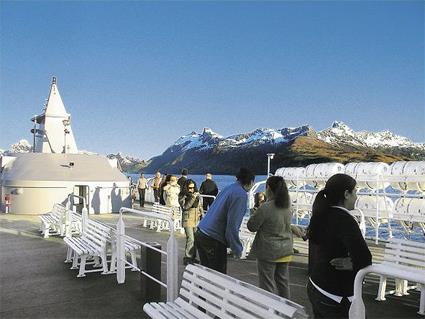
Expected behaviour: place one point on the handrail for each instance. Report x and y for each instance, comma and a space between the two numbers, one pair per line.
172, 252
357, 308
252, 191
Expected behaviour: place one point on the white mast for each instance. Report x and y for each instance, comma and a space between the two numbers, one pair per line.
54, 134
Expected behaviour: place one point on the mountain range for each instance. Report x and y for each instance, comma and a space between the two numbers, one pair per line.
210, 152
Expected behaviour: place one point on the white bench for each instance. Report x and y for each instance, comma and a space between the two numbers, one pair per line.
403, 256
160, 224
91, 244
224, 297
53, 223
403, 260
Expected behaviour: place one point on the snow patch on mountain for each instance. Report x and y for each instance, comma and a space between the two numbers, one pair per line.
23, 146
341, 133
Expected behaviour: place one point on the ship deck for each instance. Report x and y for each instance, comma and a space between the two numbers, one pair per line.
36, 283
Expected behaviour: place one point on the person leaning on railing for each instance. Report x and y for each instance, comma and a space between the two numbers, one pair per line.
337, 249
273, 243
219, 228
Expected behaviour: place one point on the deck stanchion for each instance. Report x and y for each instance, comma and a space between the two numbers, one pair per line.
151, 264
120, 250
172, 267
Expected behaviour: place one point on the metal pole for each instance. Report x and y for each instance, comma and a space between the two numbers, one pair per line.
268, 165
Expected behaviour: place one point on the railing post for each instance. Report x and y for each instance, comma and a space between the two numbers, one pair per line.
84, 218
357, 308
120, 250
172, 266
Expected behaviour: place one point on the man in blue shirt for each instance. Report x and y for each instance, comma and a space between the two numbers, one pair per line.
219, 228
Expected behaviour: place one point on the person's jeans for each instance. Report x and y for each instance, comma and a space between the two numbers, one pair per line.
324, 307
212, 253
190, 250
142, 197
271, 274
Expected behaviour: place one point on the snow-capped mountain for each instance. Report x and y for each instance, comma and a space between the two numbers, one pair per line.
23, 146
209, 151
209, 139
128, 163
339, 133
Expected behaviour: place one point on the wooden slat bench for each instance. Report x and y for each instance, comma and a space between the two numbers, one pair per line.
221, 296
160, 224
53, 223
405, 260
91, 243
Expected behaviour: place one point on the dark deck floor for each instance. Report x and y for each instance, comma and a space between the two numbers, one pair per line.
36, 283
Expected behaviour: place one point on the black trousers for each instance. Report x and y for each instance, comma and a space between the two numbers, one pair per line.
212, 253
156, 194
142, 197
324, 307
206, 203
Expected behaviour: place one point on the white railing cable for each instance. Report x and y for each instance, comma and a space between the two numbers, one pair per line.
172, 252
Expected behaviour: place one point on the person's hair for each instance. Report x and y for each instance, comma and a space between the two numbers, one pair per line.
333, 194
186, 185
279, 189
257, 198
184, 171
245, 176
166, 180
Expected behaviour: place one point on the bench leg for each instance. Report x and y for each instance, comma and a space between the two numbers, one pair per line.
74, 260
113, 261
82, 272
422, 302
46, 231
381, 289
133, 260
400, 287
68, 255
104, 264
96, 261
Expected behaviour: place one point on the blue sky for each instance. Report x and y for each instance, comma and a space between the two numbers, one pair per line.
137, 75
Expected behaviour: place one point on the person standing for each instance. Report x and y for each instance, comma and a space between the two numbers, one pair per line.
171, 193
155, 186
219, 228
337, 249
192, 212
141, 187
208, 187
273, 243
183, 178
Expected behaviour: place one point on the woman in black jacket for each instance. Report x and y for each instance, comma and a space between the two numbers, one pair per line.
337, 249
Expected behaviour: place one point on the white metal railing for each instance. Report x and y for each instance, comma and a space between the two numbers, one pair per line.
171, 252
357, 308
